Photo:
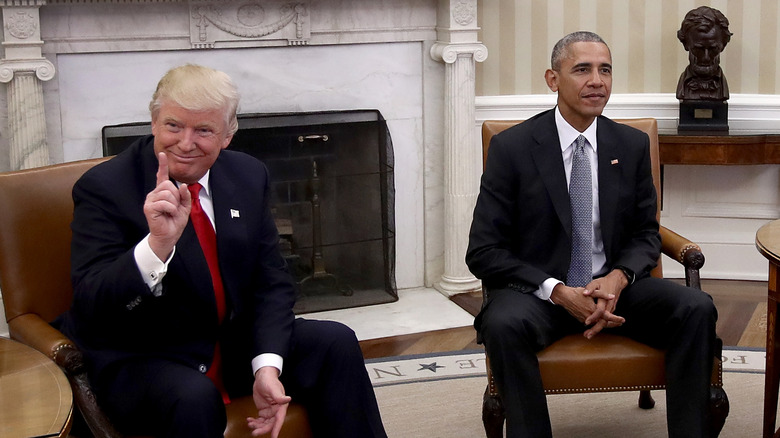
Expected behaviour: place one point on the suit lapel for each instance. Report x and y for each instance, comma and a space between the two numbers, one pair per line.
231, 228
609, 154
549, 161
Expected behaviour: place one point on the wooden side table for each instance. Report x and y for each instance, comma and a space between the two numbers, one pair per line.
35, 396
719, 148
768, 244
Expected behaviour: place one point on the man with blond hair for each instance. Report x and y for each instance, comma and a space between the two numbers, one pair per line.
182, 299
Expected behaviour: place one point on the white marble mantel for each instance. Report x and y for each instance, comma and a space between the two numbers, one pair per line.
411, 59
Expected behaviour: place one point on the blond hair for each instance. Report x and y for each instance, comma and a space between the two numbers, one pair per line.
198, 88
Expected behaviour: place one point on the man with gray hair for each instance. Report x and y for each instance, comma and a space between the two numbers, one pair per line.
564, 237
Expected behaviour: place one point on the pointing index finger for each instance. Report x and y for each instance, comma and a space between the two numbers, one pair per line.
162, 169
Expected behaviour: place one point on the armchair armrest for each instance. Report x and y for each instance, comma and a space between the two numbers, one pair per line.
684, 252
30, 329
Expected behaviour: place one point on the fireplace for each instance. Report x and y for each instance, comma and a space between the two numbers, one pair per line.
332, 195
80, 65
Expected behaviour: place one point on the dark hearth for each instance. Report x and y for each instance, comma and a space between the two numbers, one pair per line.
333, 199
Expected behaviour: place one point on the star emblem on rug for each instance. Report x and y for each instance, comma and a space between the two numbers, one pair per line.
429, 367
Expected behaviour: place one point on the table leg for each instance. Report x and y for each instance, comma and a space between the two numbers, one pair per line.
772, 376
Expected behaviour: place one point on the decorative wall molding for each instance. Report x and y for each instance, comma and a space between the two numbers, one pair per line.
21, 24
464, 12
747, 112
218, 21
43, 69
23, 3
449, 52
731, 211
76, 2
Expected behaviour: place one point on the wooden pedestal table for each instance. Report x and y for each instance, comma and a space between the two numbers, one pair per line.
35, 396
768, 244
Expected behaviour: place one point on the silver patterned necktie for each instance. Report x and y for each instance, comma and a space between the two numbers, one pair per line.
581, 198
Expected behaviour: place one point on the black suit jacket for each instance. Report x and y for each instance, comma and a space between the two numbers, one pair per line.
115, 317
521, 231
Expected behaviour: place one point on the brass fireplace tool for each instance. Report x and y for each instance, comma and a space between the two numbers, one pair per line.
320, 279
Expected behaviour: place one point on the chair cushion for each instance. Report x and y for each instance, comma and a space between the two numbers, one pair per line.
605, 363
296, 423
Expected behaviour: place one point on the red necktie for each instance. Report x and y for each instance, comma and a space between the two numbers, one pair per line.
208, 242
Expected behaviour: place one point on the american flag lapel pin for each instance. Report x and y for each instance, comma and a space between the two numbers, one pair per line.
614, 161
234, 213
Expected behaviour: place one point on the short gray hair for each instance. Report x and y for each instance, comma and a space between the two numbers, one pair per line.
561, 49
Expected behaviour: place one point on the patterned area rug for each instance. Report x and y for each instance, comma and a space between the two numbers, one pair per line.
441, 396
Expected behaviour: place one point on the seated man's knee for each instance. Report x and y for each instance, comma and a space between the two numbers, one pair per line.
341, 339
502, 322
199, 395
705, 306
697, 309
326, 336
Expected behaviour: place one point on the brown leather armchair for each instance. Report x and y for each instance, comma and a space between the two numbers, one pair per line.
625, 364
37, 209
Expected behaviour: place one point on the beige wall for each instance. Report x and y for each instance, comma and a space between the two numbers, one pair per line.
647, 57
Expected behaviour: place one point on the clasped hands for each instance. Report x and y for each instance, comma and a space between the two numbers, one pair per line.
593, 305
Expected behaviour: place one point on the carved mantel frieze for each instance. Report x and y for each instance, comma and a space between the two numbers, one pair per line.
23, 3
273, 21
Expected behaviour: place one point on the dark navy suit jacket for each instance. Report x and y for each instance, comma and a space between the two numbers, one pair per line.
521, 231
115, 317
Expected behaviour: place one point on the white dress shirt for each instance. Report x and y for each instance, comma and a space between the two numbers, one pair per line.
567, 135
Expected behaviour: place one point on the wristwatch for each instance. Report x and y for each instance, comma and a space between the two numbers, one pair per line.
630, 276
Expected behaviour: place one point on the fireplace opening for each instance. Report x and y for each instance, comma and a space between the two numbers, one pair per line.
332, 196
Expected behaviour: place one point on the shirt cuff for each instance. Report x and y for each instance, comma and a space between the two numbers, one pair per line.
544, 292
267, 360
152, 269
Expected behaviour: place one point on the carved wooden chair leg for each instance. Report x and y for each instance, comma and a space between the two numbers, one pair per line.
719, 410
646, 400
492, 415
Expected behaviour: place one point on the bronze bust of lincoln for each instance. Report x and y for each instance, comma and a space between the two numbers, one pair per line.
704, 33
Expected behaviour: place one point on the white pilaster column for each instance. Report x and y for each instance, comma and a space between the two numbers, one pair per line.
458, 47
24, 68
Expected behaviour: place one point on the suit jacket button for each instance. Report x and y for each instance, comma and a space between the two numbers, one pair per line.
202, 368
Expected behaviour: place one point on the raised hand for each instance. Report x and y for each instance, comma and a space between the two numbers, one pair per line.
167, 210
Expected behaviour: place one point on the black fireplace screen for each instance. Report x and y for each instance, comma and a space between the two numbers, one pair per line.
332, 198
